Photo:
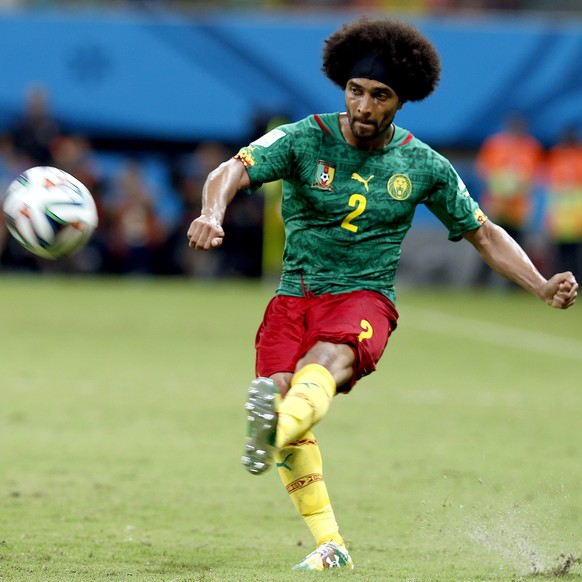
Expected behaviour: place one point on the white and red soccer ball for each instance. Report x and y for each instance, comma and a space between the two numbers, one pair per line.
49, 212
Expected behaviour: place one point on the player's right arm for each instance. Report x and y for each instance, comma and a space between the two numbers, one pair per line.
221, 186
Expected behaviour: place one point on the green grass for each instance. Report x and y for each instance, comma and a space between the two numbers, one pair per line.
121, 427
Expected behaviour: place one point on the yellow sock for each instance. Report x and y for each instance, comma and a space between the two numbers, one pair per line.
300, 468
308, 399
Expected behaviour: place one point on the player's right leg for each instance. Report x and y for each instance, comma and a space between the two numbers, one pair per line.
312, 389
271, 426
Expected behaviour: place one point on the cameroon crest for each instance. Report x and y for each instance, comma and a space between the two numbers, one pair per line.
324, 175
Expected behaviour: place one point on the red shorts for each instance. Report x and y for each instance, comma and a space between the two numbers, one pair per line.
291, 326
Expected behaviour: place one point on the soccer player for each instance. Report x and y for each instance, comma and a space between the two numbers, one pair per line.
351, 184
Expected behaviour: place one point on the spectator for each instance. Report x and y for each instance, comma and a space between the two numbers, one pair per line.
563, 209
12, 255
36, 131
135, 233
74, 154
508, 163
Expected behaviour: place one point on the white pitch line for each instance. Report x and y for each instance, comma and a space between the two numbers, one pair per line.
493, 333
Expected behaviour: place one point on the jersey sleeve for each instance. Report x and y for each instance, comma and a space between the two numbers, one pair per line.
268, 158
452, 204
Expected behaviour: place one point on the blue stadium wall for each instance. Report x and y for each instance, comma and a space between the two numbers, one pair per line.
167, 76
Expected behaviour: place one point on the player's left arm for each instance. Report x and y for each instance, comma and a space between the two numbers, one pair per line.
502, 253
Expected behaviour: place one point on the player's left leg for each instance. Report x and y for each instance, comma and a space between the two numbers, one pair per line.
328, 555
301, 470
298, 457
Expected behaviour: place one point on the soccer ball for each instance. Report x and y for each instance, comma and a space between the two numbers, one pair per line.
49, 212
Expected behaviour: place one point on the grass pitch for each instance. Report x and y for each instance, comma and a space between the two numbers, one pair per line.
121, 428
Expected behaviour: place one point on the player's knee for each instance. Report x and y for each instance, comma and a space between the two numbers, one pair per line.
338, 359
282, 381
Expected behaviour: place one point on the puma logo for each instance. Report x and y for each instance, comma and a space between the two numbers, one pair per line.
360, 179
284, 462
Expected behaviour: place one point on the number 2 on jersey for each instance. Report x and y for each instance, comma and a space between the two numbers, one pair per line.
358, 203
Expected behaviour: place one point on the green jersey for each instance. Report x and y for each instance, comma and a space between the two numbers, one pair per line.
346, 210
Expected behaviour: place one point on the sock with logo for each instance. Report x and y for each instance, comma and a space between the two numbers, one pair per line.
300, 468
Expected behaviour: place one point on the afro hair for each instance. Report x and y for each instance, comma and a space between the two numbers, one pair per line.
411, 59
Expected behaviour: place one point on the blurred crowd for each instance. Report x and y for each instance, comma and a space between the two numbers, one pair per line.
146, 200
535, 192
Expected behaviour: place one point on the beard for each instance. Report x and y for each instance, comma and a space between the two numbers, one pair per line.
365, 130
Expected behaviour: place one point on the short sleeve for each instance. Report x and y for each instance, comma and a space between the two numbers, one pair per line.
452, 204
269, 157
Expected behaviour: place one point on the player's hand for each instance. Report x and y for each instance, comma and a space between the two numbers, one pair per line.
560, 291
205, 234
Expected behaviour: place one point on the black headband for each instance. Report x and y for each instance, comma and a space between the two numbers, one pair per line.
373, 67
